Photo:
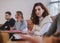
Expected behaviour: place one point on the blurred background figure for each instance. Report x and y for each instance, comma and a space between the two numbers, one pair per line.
20, 25
9, 24
55, 29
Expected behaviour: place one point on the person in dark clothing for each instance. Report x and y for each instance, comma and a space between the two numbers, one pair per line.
9, 23
55, 29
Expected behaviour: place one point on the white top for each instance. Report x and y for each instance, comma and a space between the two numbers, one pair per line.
43, 27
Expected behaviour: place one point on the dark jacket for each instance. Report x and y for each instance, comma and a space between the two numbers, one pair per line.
8, 24
55, 27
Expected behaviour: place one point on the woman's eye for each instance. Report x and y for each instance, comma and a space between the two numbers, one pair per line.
39, 9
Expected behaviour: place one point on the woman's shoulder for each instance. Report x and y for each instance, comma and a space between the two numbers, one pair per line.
48, 18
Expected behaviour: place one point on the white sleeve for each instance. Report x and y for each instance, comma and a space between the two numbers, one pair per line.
45, 28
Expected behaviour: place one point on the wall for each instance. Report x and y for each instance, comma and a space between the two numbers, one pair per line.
14, 5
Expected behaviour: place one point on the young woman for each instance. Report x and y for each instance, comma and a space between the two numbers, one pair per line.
20, 26
20, 23
41, 18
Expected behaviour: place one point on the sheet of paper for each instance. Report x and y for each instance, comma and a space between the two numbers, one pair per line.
17, 36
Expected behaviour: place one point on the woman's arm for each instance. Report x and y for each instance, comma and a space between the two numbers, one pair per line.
32, 39
45, 28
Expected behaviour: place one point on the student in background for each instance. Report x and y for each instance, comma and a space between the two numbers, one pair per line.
20, 24
9, 24
41, 18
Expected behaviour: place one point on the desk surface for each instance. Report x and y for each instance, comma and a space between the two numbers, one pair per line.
5, 36
9, 31
13, 31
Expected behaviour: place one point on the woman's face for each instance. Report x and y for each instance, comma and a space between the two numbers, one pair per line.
39, 11
18, 17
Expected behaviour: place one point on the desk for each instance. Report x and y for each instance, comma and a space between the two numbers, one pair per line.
5, 37
10, 31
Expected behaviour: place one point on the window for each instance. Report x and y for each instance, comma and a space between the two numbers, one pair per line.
53, 0
54, 7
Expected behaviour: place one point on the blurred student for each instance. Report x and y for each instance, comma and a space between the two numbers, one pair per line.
9, 24
41, 18
55, 29
20, 25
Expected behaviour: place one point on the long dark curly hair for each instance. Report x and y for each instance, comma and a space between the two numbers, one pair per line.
34, 17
